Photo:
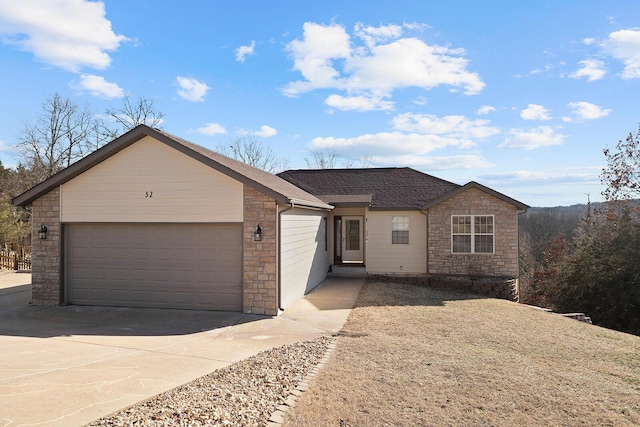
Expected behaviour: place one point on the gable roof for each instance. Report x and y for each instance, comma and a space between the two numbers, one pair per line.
519, 205
383, 188
378, 188
265, 182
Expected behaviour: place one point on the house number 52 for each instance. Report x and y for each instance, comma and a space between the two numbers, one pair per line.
148, 194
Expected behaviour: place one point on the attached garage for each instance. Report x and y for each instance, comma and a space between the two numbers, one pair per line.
152, 220
185, 266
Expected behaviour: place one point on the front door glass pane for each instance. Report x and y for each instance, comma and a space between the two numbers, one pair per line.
353, 235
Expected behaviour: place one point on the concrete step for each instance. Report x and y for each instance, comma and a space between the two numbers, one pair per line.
354, 270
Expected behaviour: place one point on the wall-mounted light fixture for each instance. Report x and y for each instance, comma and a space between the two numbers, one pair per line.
257, 235
42, 233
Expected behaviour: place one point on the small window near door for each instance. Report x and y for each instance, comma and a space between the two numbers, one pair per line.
400, 230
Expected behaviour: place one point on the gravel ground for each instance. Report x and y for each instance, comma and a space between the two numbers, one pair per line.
243, 394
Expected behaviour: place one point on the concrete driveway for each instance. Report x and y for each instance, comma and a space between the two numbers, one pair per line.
67, 366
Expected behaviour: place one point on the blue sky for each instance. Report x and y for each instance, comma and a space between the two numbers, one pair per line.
519, 96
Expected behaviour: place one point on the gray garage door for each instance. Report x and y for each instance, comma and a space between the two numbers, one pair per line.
187, 266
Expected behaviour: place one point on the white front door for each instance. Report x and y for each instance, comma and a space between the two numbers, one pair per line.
352, 239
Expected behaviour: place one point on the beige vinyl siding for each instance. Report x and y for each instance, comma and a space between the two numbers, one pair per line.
385, 257
151, 182
304, 261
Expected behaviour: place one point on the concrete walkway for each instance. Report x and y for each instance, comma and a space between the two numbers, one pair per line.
67, 366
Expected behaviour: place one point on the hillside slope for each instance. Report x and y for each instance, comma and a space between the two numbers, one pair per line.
416, 356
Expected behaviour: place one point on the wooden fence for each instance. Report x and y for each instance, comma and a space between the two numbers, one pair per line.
13, 261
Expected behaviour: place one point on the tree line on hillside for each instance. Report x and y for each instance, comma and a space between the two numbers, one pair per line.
587, 259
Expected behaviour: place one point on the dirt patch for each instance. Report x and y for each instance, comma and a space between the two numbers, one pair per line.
429, 357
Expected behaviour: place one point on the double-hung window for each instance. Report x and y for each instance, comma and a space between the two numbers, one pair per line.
472, 234
400, 230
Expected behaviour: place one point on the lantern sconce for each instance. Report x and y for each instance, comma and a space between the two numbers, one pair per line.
257, 235
42, 233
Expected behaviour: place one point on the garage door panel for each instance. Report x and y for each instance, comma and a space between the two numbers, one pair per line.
190, 266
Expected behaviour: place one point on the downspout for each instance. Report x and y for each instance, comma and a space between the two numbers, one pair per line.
426, 214
279, 253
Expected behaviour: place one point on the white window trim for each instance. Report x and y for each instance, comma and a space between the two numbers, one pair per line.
408, 229
473, 234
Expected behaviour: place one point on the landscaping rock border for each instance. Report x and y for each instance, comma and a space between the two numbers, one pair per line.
254, 392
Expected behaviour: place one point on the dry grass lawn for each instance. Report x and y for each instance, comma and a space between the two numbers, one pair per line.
413, 356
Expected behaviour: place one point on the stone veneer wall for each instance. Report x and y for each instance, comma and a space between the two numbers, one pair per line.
260, 277
46, 260
493, 287
503, 263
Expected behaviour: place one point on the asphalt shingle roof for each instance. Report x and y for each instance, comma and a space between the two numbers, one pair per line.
265, 182
387, 188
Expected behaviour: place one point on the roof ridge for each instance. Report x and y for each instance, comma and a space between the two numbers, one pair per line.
263, 181
392, 187
345, 169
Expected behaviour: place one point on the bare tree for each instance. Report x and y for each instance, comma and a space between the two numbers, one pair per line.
253, 152
328, 159
58, 137
621, 176
132, 114
323, 159
365, 161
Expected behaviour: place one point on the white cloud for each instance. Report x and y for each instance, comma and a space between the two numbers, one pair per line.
410, 62
592, 70
421, 100
458, 127
624, 45
535, 71
417, 26
535, 112
4, 148
358, 103
471, 161
384, 144
313, 56
556, 176
414, 139
243, 51
212, 129
191, 89
9, 154
328, 58
542, 136
70, 34
266, 132
375, 35
485, 109
546, 68
97, 86
587, 111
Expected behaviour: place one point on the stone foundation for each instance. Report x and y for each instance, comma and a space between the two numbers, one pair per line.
493, 287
